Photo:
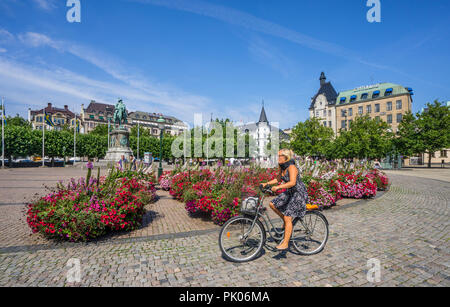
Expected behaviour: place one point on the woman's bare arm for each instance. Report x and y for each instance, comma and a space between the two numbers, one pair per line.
293, 172
275, 181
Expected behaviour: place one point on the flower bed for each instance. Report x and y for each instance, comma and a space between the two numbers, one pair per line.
86, 209
219, 193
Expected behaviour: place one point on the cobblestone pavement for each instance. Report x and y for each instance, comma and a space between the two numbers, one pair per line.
431, 173
406, 229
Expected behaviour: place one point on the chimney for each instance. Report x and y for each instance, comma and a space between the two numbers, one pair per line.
49, 105
66, 107
322, 79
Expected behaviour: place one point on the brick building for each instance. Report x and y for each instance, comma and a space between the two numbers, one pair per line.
59, 116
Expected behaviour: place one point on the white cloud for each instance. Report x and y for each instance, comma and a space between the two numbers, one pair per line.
18, 79
271, 56
5, 36
45, 4
248, 21
3, 50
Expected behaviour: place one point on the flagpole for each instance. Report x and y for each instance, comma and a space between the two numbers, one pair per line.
109, 126
43, 139
138, 143
3, 133
75, 138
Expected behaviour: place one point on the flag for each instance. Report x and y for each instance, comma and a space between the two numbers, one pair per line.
48, 120
78, 126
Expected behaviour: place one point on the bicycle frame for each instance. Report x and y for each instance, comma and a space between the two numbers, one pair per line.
266, 218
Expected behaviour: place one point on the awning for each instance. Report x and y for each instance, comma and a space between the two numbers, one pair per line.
353, 97
343, 98
376, 92
389, 90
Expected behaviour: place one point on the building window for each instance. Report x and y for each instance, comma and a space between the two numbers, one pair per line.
91, 116
377, 118
443, 153
324, 124
364, 96
389, 106
329, 124
317, 113
350, 123
353, 99
369, 109
101, 117
433, 155
350, 111
343, 113
344, 124
376, 94
399, 104
389, 118
399, 117
360, 110
329, 113
377, 108
324, 113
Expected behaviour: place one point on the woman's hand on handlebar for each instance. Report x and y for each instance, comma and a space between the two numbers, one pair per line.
274, 189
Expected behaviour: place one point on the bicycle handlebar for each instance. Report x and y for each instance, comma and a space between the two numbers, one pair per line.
266, 189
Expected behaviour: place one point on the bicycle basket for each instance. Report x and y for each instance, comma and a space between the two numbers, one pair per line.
249, 205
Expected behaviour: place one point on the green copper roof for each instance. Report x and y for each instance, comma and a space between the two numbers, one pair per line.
381, 87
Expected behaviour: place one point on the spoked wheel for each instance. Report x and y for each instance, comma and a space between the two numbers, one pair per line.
310, 235
238, 242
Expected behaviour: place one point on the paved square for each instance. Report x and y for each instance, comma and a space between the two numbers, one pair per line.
406, 229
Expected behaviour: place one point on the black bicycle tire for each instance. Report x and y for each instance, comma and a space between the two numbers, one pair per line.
263, 230
326, 239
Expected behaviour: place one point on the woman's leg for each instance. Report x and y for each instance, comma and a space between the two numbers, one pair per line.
287, 233
272, 206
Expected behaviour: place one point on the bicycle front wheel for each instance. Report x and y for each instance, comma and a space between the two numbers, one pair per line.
239, 242
310, 235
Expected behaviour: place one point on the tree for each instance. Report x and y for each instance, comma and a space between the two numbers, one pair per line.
58, 144
101, 130
408, 141
17, 121
311, 138
143, 131
434, 128
92, 145
367, 138
18, 142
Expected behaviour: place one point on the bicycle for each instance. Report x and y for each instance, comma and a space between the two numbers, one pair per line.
243, 237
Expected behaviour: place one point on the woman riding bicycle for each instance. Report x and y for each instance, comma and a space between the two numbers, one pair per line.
292, 203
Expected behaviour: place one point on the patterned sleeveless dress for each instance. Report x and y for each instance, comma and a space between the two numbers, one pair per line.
293, 201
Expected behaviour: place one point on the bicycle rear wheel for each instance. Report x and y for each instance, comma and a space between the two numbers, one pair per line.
238, 243
310, 235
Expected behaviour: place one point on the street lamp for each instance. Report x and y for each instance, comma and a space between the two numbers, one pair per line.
161, 124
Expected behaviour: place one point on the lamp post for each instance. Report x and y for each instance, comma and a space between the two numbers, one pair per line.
161, 123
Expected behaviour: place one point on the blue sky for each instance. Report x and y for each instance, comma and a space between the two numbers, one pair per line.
223, 57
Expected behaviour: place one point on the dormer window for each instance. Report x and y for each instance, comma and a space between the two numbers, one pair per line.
353, 98
364, 96
376, 94
343, 99
388, 92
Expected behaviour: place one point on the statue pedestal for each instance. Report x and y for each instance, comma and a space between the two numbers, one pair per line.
119, 146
